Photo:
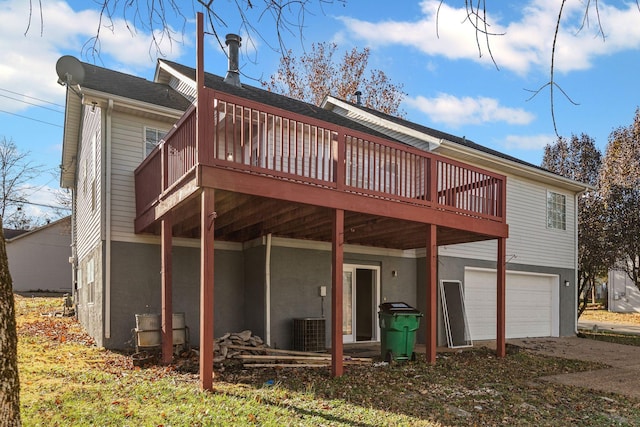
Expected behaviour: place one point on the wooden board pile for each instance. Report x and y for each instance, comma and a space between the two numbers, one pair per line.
254, 353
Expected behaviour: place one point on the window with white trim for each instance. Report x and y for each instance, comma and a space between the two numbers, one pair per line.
556, 211
152, 138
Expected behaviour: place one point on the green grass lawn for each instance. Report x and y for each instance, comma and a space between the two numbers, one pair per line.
67, 381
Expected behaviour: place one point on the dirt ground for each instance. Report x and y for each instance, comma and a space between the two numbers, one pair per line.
623, 375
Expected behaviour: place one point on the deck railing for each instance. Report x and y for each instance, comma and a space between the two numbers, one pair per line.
258, 139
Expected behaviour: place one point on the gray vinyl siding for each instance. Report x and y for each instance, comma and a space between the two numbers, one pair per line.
530, 242
89, 179
127, 142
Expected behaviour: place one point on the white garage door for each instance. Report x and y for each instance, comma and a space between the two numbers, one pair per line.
531, 304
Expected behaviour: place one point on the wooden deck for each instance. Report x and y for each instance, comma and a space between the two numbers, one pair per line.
279, 172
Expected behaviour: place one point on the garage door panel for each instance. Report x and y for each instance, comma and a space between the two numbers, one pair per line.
529, 304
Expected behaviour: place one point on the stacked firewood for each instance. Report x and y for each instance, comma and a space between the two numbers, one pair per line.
233, 344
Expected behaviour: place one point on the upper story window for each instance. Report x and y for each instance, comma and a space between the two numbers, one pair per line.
152, 137
556, 211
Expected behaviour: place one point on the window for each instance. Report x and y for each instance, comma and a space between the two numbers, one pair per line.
90, 281
556, 211
152, 137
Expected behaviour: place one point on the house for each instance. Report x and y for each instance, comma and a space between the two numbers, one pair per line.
39, 258
296, 211
623, 295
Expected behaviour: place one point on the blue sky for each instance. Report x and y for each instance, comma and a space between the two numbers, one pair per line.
451, 85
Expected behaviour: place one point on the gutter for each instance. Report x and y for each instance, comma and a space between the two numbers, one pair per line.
91, 94
107, 275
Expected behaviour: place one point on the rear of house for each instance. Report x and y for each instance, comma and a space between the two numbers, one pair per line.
268, 280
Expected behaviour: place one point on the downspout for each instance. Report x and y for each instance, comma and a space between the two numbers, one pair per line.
107, 276
74, 252
267, 290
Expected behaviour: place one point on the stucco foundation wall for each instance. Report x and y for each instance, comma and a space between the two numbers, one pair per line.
452, 268
254, 295
136, 288
91, 314
297, 274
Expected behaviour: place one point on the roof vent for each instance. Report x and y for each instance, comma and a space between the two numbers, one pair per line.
233, 73
358, 95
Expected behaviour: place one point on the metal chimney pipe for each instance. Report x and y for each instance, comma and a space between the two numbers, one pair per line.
358, 95
233, 73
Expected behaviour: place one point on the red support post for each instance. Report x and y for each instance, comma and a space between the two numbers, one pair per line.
432, 296
501, 299
207, 219
202, 107
167, 290
337, 368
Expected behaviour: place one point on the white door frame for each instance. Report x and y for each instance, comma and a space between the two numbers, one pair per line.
375, 327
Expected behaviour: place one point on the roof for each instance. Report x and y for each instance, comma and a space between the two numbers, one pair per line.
128, 86
10, 233
13, 235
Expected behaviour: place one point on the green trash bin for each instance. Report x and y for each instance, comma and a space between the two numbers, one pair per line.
398, 325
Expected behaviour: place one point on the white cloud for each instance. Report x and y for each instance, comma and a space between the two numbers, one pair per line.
528, 142
443, 30
27, 61
456, 112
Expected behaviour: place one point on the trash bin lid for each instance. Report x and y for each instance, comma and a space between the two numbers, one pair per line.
398, 307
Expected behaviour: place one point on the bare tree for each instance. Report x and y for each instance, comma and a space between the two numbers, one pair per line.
9, 379
16, 172
283, 17
580, 160
477, 17
317, 73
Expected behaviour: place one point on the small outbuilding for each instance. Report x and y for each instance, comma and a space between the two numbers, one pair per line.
39, 258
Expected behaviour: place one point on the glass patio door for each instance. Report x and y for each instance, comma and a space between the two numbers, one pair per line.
360, 299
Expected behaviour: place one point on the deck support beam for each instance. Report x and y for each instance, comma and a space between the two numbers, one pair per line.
207, 218
432, 296
337, 262
501, 299
167, 290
